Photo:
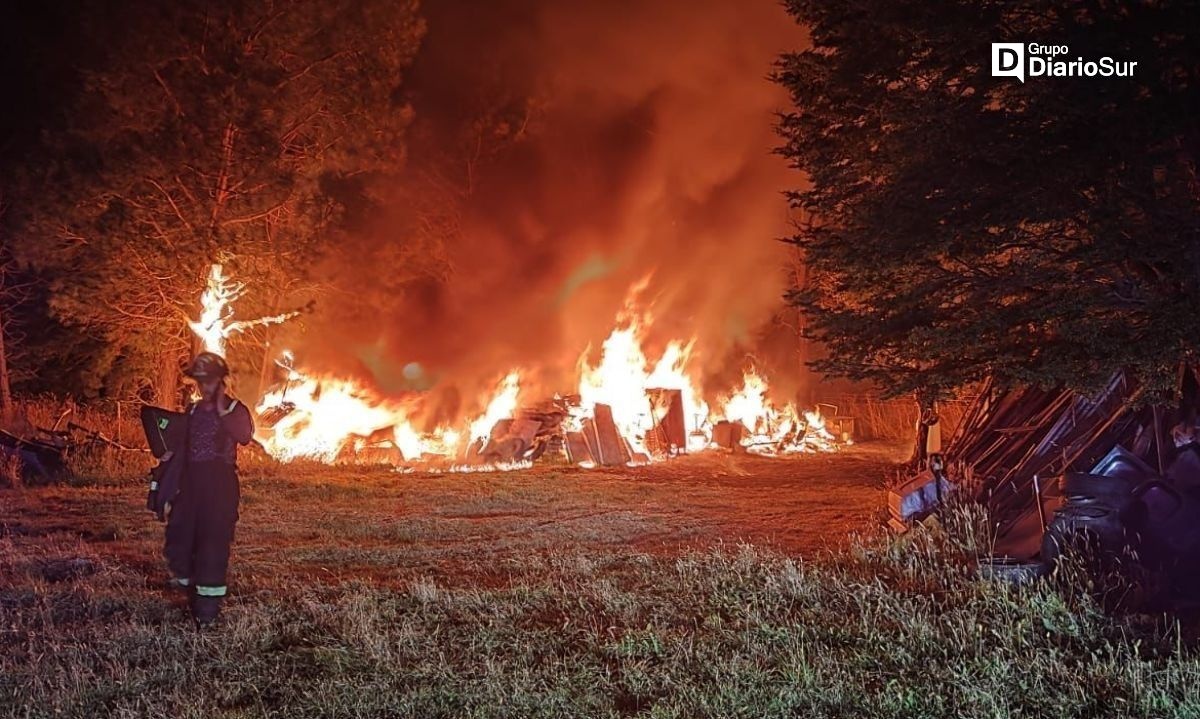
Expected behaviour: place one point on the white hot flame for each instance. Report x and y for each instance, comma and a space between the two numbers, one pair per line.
216, 323
623, 376
772, 430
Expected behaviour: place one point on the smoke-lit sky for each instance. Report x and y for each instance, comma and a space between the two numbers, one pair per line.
646, 155
620, 141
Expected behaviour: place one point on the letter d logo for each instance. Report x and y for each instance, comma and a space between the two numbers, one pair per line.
1008, 60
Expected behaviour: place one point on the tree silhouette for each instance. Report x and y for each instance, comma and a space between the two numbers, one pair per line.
1045, 231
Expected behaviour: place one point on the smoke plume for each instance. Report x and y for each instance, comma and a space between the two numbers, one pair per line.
562, 154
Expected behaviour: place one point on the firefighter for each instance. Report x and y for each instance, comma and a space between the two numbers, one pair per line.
204, 508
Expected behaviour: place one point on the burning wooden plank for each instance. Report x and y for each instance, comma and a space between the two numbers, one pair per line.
510, 440
728, 435
378, 447
592, 440
524, 431
668, 436
615, 450
604, 440
577, 448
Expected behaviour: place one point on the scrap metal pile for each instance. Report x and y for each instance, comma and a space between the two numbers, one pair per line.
1059, 470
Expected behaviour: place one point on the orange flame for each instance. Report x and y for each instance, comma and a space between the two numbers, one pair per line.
623, 376
772, 430
502, 406
319, 417
325, 413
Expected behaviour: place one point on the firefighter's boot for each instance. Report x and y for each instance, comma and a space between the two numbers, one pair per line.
205, 610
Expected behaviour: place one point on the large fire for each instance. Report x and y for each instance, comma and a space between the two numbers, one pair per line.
623, 378
775, 430
321, 418
656, 409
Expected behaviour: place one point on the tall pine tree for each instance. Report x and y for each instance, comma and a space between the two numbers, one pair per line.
965, 225
232, 132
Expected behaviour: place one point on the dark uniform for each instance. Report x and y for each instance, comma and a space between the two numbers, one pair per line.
203, 503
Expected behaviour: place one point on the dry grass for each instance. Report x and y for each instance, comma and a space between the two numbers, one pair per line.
896, 419
94, 459
557, 594
886, 629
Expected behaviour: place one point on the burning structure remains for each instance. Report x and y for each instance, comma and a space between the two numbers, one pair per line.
625, 409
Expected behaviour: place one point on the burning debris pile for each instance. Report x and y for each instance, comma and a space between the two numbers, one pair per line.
626, 410
620, 416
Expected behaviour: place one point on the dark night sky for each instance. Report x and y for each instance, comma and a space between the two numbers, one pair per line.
39, 50
43, 47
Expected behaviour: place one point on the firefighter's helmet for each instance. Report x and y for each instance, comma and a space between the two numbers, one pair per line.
206, 366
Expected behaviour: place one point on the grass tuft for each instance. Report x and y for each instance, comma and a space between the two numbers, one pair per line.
891, 627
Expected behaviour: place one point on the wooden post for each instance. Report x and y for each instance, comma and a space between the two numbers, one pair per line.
926, 418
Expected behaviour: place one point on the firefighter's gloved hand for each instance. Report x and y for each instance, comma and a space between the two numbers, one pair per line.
155, 474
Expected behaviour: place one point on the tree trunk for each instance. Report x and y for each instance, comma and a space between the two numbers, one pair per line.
166, 390
6, 403
807, 393
919, 454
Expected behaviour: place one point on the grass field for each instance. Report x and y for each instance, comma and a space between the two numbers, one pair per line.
708, 587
